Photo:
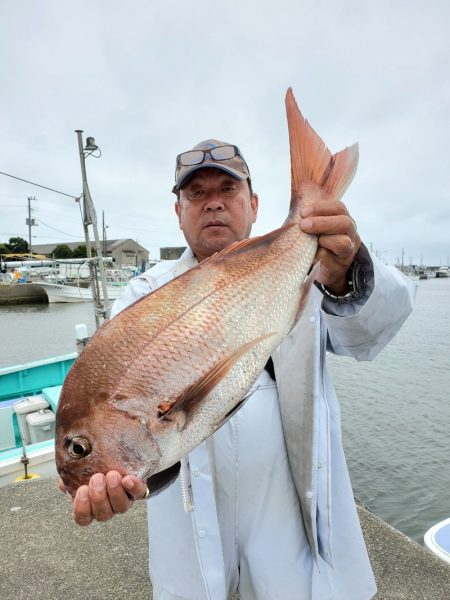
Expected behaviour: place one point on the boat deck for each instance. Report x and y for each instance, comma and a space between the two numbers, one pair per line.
51, 557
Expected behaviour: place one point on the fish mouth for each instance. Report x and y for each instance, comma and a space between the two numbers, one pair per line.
71, 484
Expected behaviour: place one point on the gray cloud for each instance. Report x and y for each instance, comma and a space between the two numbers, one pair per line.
150, 80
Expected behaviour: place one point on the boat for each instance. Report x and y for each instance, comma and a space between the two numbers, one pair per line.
69, 289
442, 272
437, 539
62, 292
29, 395
53, 280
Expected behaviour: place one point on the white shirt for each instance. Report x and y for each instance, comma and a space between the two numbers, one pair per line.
257, 505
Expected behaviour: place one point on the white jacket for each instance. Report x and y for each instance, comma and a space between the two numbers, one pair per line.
186, 558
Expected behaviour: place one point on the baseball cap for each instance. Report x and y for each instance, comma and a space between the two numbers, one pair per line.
210, 154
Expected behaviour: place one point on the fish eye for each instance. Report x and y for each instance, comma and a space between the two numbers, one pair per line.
79, 447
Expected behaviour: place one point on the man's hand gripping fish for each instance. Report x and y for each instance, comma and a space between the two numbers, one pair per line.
168, 371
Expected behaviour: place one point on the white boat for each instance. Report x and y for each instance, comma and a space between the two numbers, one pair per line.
61, 289
58, 292
442, 272
437, 539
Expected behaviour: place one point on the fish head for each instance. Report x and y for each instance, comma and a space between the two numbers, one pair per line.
100, 441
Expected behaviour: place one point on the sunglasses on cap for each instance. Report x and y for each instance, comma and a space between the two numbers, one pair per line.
196, 157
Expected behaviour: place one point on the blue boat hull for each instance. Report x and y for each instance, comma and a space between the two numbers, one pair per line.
44, 378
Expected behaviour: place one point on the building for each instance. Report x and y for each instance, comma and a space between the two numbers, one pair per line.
127, 252
124, 252
171, 252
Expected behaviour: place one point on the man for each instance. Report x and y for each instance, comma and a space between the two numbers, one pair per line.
273, 512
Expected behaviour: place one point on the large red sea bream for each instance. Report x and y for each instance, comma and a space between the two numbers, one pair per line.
164, 374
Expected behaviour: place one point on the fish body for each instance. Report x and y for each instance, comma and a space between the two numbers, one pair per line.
168, 371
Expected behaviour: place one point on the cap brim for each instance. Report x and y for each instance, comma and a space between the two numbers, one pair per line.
233, 172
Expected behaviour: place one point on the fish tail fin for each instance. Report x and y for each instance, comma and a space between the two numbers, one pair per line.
312, 161
342, 170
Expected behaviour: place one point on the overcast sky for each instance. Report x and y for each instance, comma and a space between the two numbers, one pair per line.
151, 79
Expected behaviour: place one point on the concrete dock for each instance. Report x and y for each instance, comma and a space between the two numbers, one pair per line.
22, 293
46, 556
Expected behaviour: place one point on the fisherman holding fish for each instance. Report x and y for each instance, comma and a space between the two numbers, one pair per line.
264, 506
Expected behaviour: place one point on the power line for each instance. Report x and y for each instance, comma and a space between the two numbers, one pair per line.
39, 185
58, 230
49, 237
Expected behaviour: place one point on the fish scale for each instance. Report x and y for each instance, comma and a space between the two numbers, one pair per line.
165, 373
214, 334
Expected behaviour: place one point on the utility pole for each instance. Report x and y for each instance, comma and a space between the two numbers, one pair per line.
104, 228
30, 222
103, 231
90, 218
403, 256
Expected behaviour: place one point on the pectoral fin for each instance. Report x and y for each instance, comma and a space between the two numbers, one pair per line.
196, 392
164, 407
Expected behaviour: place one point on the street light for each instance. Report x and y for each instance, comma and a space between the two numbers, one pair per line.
90, 218
90, 145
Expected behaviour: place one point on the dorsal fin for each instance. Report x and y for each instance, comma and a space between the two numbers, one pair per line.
235, 246
304, 292
248, 243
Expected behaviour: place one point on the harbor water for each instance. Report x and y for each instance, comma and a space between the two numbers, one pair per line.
395, 409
